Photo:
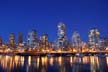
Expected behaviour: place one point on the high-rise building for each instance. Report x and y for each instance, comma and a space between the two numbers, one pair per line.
62, 41
103, 43
12, 39
32, 38
44, 38
20, 38
76, 40
0, 41
94, 37
44, 42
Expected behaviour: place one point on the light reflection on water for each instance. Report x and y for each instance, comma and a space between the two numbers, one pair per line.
53, 64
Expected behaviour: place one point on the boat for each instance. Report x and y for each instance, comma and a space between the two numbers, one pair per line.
49, 55
79, 55
68, 55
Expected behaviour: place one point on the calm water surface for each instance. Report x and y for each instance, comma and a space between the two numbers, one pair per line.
53, 64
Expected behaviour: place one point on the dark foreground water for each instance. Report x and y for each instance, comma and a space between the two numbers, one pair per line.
53, 64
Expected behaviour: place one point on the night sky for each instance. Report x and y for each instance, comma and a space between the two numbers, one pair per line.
44, 15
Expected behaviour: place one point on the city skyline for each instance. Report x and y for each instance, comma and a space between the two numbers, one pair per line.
58, 31
56, 35
53, 35
81, 16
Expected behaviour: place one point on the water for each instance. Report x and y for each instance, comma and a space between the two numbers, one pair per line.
53, 64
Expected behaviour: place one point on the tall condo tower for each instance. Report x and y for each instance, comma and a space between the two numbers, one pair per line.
76, 40
94, 38
0, 41
32, 38
20, 38
44, 42
62, 41
12, 39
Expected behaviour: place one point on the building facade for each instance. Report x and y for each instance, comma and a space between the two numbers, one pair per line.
12, 38
20, 38
103, 43
12, 43
1, 41
94, 38
32, 39
62, 42
44, 43
76, 42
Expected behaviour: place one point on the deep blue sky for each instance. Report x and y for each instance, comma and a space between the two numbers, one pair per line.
44, 15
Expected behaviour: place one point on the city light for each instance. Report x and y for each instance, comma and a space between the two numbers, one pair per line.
62, 44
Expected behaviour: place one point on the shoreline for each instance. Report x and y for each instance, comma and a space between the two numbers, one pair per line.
55, 53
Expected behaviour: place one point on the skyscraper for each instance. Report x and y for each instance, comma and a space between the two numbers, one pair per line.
20, 38
76, 40
94, 37
32, 38
103, 43
62, 41
12, 39
12, 43
0, 41
44, 42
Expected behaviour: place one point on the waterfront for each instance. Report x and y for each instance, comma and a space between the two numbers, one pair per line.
53, 64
